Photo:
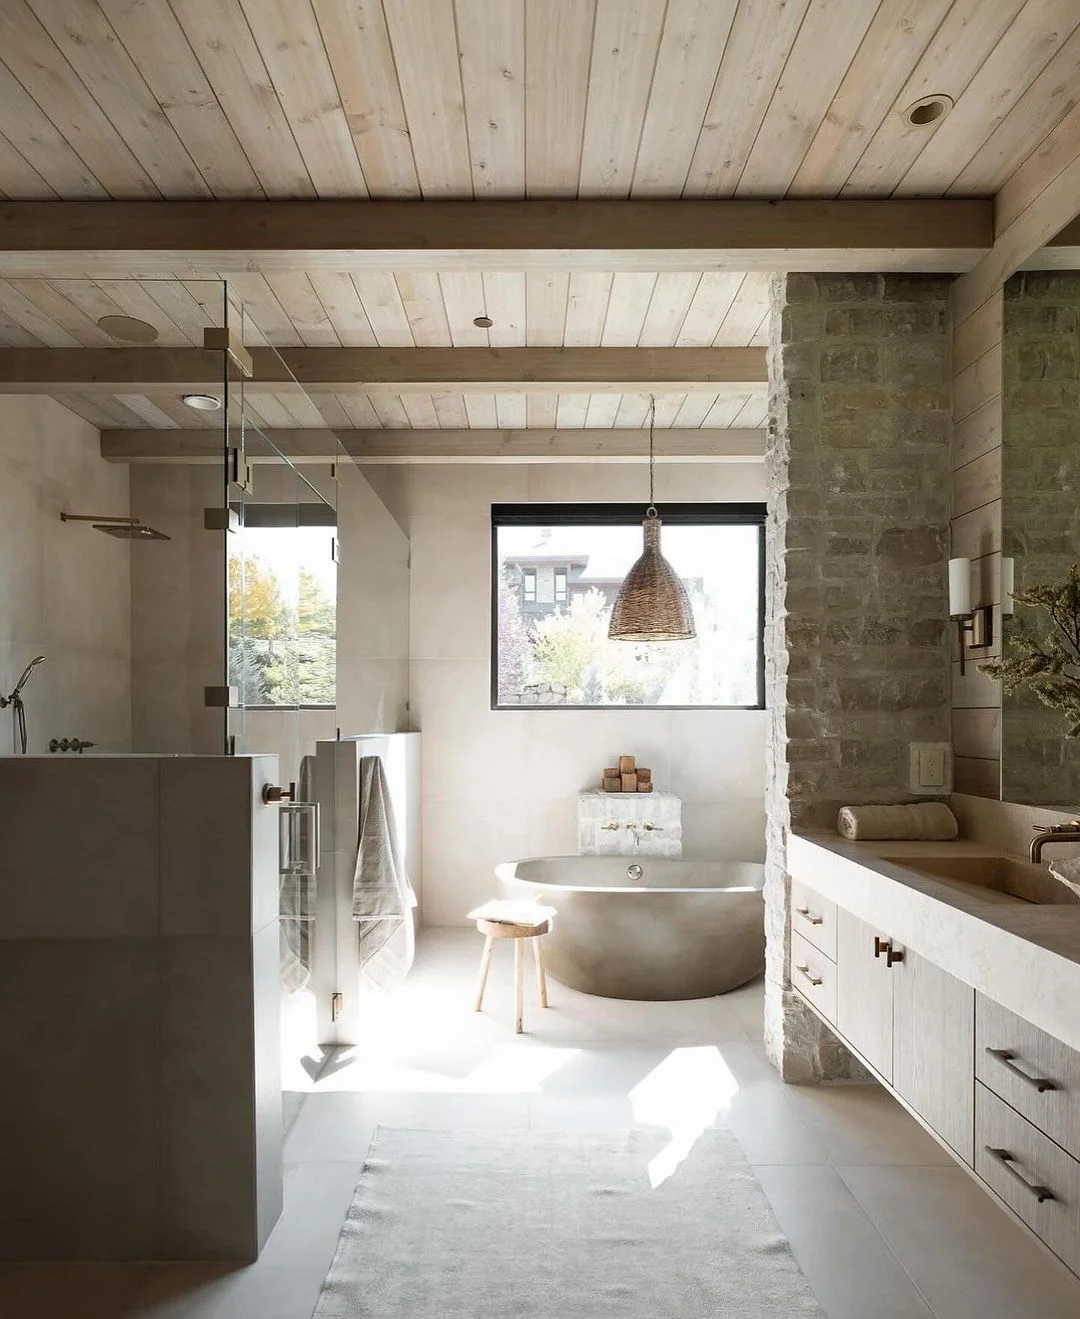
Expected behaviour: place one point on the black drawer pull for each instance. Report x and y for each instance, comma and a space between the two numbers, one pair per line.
1003, 1157
1006, 1057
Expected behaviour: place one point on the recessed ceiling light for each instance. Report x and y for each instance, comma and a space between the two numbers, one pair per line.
128, 329
928, 110
483, 322
202, 402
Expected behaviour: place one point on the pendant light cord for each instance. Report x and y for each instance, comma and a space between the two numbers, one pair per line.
651, 510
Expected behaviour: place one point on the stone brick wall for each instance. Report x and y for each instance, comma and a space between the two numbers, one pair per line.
858, 464
1041, 506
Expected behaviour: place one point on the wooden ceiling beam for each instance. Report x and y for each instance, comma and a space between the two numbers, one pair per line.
205, 239
1034, 206
393, 370
1062, 252
442, 446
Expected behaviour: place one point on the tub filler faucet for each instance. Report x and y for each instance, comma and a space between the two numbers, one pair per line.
635, 828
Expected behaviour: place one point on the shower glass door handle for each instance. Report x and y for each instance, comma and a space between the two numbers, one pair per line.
298, 839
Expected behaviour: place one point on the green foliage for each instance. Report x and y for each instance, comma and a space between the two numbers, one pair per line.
572, 647
1046, 660
567, 642
513, 642
280, 654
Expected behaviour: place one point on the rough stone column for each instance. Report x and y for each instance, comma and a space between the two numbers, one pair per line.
858, 463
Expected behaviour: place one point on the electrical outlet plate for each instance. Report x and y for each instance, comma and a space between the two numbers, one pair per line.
930, 769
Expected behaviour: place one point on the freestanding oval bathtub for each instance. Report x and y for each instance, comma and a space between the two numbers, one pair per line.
677, 929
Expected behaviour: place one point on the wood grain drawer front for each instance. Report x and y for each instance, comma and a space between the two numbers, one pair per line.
814, 918
1033, 1072
1035, 1177
814, 976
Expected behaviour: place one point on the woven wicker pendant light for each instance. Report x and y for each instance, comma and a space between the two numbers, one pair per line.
652, 604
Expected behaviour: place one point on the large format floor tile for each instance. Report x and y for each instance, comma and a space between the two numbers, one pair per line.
882, 1222
853, 1272
964, 1254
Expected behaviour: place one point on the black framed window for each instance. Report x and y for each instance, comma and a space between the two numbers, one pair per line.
556, 570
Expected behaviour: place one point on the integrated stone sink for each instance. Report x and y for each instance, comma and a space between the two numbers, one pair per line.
996, 879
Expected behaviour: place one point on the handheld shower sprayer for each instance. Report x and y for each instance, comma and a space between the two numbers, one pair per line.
15, 700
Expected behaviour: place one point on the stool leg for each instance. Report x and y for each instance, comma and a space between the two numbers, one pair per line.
519, 986
541, 978
485, 967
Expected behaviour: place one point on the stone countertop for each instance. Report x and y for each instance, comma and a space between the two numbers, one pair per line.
1025, 956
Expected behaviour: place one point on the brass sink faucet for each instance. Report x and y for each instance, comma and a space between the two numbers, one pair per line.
1052, 833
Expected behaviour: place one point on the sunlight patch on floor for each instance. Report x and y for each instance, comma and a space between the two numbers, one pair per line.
685, 1093
507, 1069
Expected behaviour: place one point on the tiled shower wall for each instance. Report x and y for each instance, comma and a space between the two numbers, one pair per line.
64, 588
178, 590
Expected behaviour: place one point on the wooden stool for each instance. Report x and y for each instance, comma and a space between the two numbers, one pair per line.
524, 925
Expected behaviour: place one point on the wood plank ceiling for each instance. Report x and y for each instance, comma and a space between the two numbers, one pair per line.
512, 98
582, 309
494, 99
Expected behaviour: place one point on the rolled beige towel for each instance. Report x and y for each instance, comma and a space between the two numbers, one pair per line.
929, 821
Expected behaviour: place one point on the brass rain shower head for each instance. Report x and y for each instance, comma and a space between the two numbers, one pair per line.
121, 528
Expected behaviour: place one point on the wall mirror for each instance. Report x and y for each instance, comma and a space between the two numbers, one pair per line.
1040, 503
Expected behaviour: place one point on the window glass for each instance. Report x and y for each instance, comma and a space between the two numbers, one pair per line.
283, 599
556, 578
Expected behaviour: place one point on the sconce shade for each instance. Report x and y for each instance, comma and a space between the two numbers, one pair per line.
652, 604
959, 587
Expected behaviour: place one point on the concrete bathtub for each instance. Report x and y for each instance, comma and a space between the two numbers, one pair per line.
647, 928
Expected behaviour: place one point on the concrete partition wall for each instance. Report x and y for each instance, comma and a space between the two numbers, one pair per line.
139, 996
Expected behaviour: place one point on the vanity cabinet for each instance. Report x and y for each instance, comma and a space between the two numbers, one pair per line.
1037, 1179
1034, 1073
815, 975
933, 1065
912, 1022
1000, 1092
864, 991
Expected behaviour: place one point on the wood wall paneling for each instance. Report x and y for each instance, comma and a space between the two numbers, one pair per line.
977, 534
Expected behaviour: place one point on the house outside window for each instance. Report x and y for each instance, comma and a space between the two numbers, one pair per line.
556, 572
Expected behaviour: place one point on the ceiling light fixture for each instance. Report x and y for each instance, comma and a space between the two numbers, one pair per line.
483, 322
202, 402
128, 329
652, 604
928, 110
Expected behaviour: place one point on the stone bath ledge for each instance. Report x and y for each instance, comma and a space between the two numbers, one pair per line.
1024, 956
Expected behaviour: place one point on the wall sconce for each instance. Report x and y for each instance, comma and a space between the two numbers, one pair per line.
974, 627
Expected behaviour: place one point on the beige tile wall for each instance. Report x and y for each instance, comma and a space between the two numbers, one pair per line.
503, 784
976, 534
64, 588
177, 611
373, 612
178, 599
